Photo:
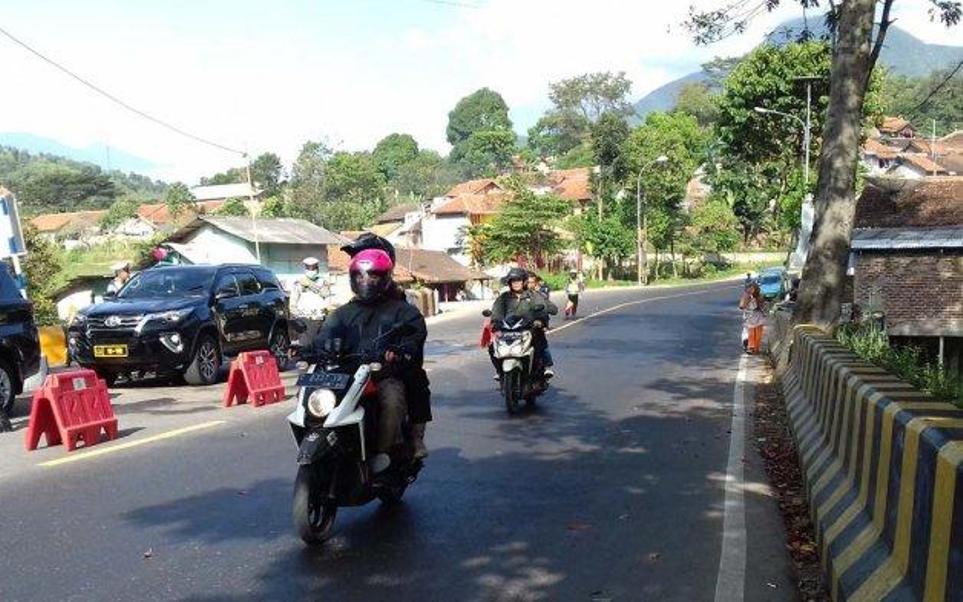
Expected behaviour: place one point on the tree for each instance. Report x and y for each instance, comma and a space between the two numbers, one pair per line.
578, 103
307, 188
425, 176
486, 153
233, 207
234, 175
713, 228
914, 99
609, 134
267, 173
605, 238
481, 110
697, 100
178, 199
123, 209
42, 266
679, 138
393, 152
855, 51
527, 226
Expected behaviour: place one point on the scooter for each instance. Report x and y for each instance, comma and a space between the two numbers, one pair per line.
522, 373
334, 423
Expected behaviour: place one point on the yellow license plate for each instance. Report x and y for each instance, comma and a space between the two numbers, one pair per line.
110, 350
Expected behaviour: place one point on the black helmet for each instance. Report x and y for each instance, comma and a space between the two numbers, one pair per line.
515, 274
369, 241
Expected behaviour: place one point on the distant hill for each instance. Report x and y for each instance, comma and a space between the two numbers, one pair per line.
109, 159
903, 53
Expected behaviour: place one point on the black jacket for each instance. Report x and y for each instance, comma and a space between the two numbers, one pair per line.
359, 324
522, 305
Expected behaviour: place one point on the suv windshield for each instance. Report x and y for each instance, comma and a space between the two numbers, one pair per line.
168, 283
770, 279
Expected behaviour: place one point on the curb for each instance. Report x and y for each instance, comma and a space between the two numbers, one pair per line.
883, 471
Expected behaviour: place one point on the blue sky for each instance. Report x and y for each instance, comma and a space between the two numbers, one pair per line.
270, 75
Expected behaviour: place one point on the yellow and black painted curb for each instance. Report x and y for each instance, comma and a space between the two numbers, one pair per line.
883, 471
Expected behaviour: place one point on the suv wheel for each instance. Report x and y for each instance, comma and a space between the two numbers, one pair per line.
206, 363
8, 378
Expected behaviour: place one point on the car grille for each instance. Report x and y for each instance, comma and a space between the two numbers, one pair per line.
124, 326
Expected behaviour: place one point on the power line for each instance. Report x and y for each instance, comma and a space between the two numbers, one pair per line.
939, 87
118, 101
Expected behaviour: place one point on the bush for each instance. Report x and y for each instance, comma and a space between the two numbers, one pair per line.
870, 343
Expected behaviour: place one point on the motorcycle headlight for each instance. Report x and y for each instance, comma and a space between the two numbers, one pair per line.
321, 402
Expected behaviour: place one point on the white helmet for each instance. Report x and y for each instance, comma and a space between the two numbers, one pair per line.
310, 263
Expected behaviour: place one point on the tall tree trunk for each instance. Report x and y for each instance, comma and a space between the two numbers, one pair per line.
820, 293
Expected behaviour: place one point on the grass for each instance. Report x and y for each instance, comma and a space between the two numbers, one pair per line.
908, 363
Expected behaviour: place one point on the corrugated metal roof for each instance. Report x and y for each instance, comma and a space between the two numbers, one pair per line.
284, 231
907, 238
240, 190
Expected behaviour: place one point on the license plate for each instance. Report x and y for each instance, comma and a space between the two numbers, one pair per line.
324, 380
110, 350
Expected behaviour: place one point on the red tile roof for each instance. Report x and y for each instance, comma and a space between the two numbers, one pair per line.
898, 203
572, 184
55, 222
158, 214
924, 163
953, 141
893, 125
874, 147
472, 204
478, 186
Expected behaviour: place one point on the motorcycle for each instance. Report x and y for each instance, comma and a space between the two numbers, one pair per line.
522, 372
335, 425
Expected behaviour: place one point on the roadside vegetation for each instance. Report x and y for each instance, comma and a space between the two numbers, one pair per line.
870, 342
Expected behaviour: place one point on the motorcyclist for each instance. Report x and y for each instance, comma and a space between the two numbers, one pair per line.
373, 310
537, 286
417, 386
521, 302
309, 298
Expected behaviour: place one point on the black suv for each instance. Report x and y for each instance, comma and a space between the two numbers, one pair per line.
182, 320
19, 342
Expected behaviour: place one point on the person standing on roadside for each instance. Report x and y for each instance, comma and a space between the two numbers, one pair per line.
574, 288
753, 308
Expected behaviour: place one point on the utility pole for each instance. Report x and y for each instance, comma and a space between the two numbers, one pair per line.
252, 207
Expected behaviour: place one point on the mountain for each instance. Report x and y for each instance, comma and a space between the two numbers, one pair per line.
903, 53
99, 154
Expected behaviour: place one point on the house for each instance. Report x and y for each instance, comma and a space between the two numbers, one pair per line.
74, 228
223, 192
878, 157
279, 244
896, 127
907, 260
953, 142
572, 185
445, 227
160, 216
430, 269
913, 167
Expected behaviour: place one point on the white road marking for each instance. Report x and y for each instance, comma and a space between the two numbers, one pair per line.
627, 304
107, 448
730, 583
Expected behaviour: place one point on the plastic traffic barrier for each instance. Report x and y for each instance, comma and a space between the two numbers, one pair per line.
254, 375
69, 408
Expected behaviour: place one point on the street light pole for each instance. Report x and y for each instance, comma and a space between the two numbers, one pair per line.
639, 246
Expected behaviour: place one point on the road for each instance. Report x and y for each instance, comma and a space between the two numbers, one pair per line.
613, 488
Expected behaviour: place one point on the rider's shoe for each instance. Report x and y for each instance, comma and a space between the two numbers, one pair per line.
418, 441
549, 373
379, 463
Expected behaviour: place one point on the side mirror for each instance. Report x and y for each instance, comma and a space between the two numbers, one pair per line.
487, 313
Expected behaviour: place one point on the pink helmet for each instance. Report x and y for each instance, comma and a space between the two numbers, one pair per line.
159, 254
370, 272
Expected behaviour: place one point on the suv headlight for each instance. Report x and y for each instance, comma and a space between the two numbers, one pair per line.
322, 402
78, 320
169, 318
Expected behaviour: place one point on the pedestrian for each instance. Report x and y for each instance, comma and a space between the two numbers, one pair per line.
747, 281
574, 288
753, 308
121, 276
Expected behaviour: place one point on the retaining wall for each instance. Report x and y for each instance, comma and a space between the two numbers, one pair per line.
883, 470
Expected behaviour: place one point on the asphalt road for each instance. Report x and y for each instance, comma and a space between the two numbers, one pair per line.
611, 489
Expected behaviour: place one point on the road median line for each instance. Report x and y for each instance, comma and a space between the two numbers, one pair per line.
108, 449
